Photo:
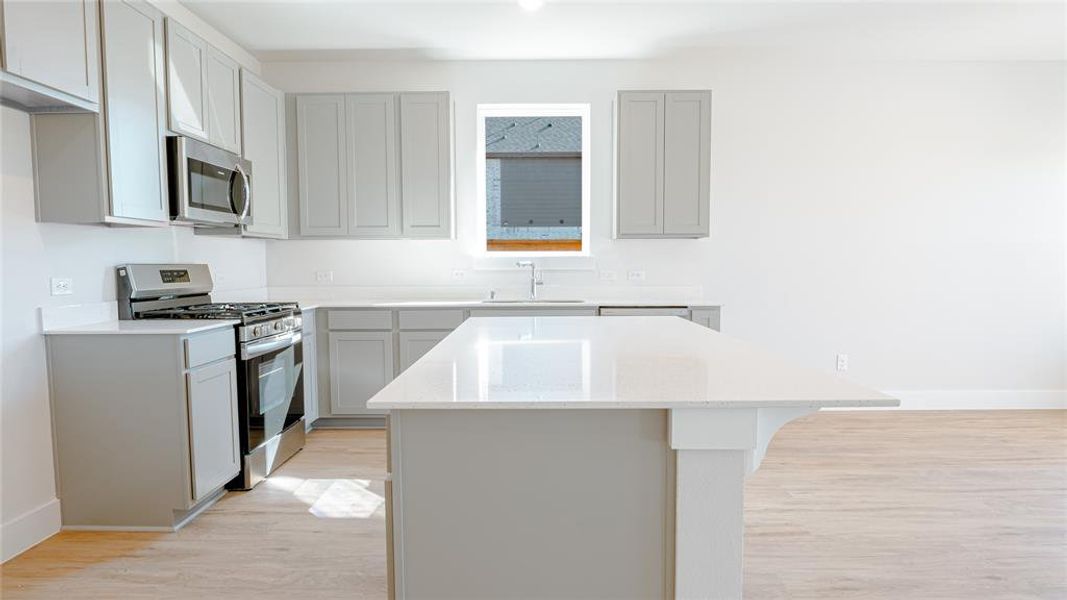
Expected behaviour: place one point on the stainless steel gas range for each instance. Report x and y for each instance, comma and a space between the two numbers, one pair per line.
270, 356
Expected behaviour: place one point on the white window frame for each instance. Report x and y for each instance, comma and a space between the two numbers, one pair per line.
531, 110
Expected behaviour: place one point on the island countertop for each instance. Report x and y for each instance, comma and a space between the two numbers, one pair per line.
622, 362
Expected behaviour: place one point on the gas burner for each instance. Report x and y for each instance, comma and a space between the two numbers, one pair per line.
246, 312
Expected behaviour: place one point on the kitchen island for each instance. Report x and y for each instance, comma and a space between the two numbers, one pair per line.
575, 457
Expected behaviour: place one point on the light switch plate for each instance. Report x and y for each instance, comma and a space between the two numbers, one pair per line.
323, 276
608, 276
635, 275
62, 286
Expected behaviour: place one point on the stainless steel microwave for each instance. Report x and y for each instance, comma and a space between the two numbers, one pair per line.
208, 185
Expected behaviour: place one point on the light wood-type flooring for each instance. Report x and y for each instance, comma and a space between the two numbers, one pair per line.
872, 505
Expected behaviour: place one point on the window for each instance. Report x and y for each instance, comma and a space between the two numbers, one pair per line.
533, 178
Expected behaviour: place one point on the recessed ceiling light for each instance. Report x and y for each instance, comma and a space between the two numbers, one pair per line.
531, 5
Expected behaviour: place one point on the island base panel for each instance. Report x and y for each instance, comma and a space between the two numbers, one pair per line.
532, 504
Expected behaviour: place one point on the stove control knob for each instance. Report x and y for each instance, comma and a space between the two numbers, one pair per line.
257, 331
278, 326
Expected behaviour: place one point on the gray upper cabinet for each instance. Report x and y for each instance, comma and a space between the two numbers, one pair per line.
263, 143
663, 164
322, 164
426, 164
222, 74
375, 165
640, 163
374, 206
133, 59
110, 167
51, 54
203, 90
186, 89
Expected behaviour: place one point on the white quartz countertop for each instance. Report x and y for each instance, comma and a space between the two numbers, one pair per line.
144, 327
624, 362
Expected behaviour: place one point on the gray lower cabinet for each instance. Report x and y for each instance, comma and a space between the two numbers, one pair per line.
111, 167
203, 90
663, 147
361, 363
263, 143
50, 53
214, 442
146, 431
374, 165
414, 344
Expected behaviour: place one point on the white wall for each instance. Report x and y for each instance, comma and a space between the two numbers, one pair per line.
910, 214
31, 254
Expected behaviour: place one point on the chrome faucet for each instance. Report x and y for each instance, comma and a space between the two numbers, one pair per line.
535, 277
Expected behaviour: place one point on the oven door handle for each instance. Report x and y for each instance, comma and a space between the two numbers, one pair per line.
278, 342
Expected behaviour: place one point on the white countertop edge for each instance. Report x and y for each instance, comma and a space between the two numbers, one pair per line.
311, 305
650, 405
145, 327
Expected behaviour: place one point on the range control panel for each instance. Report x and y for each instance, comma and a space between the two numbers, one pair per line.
174, 275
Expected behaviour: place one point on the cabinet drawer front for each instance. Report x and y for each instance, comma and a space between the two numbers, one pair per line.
360, 319
431, 319
208, 347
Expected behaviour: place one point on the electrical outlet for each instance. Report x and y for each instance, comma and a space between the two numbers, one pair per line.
608, 276
458, 274
324, 276
842, 362
635, 275
62, 286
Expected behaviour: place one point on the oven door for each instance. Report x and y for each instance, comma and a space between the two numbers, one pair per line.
273, 387
209, 185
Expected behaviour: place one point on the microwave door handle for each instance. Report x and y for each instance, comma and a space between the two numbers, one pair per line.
240, 211
255, 349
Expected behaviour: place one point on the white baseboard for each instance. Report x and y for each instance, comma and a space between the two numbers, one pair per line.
978, 399
29, 529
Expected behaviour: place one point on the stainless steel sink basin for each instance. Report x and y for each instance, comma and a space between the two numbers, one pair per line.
522, 301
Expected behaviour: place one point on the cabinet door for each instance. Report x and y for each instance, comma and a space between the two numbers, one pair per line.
223, 86
186, 86
133, 85
361, 363
413, 344
426, 164
686, 163
321, 163
639, 192
54, 43
214, 443
263, 143
374, 206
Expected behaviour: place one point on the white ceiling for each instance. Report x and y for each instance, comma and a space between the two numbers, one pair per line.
603, 29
